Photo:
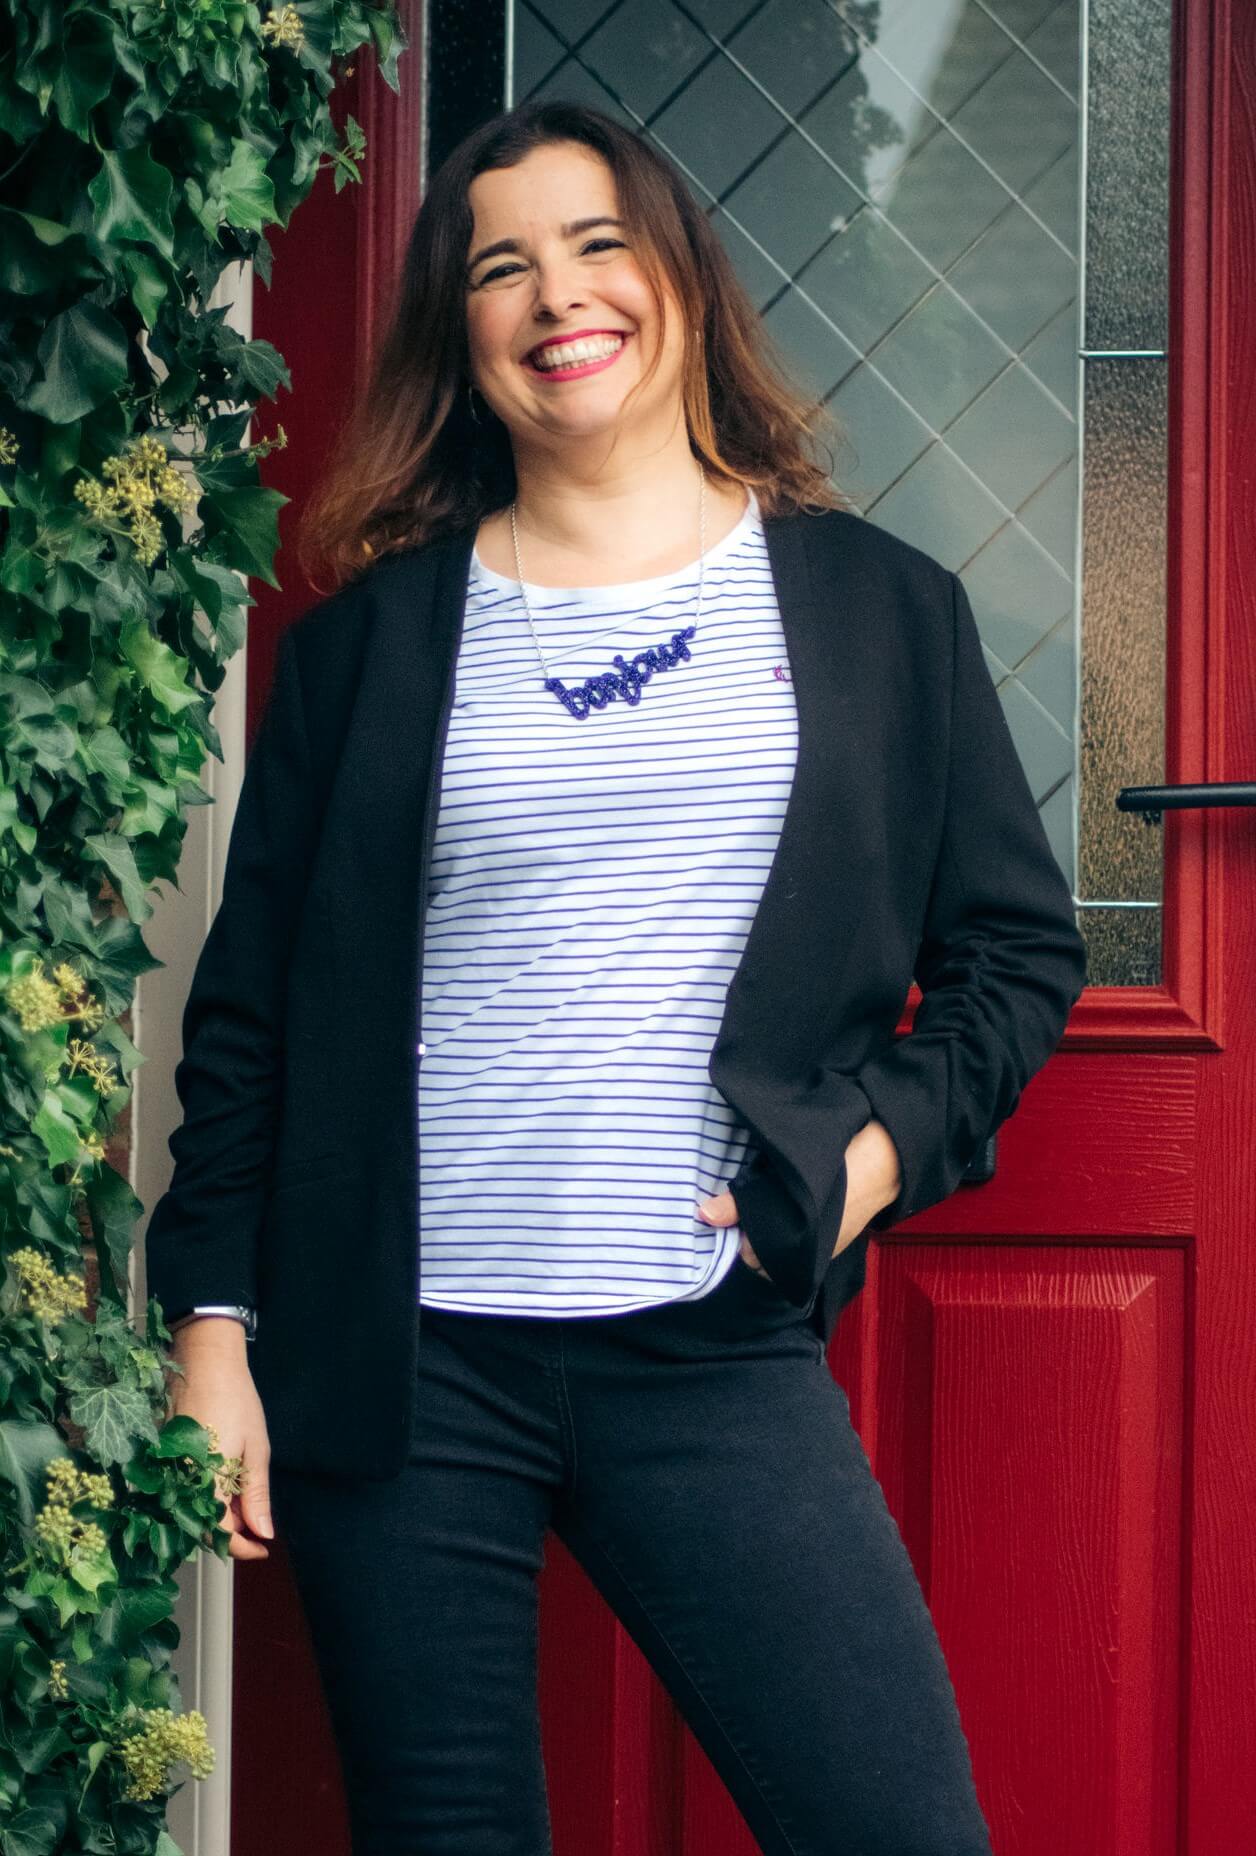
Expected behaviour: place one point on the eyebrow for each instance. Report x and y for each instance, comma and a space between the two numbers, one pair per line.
568, 231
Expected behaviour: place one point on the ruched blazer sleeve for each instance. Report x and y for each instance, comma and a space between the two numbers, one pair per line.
916, 850
1000, 964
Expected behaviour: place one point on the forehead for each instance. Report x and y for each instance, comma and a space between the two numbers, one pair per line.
552, 184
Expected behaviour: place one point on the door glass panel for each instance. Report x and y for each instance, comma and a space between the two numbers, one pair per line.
953, 217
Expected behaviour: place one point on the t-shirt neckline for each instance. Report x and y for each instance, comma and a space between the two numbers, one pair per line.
632, 589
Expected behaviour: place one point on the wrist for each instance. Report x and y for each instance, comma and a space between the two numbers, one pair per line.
209, 1333
874, 1172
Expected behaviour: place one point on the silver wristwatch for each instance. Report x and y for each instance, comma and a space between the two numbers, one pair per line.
238, 1310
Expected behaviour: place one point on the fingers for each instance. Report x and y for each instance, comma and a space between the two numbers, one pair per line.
237, 1431
748, 1256
246, 1514
240, 1546
720, 1209
255, 1497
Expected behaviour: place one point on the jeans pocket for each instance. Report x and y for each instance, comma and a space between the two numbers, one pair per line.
758, 1277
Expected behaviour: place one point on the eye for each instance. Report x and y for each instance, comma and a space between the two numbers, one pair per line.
506, 270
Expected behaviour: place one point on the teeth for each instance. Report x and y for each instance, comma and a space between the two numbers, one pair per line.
567, 354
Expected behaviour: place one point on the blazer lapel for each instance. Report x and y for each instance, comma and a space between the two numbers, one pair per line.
379, 827
787, 985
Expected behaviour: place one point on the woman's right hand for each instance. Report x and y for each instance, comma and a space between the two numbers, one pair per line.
216, 1388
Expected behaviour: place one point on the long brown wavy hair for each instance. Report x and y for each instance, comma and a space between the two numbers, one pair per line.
413, 463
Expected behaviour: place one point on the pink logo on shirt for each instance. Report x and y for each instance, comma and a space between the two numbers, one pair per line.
781, 673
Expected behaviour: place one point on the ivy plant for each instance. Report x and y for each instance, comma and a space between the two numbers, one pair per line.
146, 146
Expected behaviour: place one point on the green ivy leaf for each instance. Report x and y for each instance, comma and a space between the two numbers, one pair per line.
137, 1609
246, 523
215, 589
263, 369
90, 1572
57, 1129
35, 62
149, 280
26, 837
31, 1832
120, 956
98, 1750
85, 76
52, 739
26, 1450
390, 41
117, 855
83, 355
113, 1417
163, 673
114, 1209
183, 1435
132, 195
227, 429
247, 189
38, 256
104, 751
242, 193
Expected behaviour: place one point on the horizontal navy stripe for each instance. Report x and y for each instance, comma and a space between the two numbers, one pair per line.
591, 887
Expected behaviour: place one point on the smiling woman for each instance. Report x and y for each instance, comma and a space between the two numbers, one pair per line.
552, 225
580, 351
614, 1022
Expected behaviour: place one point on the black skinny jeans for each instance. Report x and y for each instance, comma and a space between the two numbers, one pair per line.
698, 1459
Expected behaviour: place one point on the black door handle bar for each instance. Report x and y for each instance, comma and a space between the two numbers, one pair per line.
1152, 801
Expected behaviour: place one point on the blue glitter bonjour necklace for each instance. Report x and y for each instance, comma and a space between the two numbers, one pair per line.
627, 680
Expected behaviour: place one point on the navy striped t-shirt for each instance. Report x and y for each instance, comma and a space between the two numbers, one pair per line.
592, 886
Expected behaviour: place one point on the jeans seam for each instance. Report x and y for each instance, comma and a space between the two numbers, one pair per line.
566, 1421
687, 1665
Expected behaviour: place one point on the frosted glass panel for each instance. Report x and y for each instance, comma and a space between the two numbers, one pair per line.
1123, 647
1127, 177
901, 190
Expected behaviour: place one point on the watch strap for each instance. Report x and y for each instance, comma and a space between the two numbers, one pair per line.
239, 1311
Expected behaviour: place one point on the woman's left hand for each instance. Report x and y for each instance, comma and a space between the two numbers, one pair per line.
873, 1180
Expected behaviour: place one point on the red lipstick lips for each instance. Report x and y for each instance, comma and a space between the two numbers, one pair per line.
578, 368
575, 335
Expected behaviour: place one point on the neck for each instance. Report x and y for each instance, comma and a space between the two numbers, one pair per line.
623, 512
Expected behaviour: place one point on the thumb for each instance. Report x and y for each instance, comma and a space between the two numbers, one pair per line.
719, 1209
255, 1505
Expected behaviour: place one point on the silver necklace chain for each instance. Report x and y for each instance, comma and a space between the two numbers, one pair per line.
514, 533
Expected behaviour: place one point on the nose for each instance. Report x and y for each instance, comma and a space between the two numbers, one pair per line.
558, 289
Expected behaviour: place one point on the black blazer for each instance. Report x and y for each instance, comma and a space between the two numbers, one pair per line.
911, 845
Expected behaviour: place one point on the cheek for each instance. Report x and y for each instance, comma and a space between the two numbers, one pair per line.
665, 329
665, 336
634, 297
490, 333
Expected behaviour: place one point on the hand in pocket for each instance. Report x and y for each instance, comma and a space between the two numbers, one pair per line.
873, 1180
720, 1210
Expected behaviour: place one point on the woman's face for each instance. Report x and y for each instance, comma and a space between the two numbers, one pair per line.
563, 279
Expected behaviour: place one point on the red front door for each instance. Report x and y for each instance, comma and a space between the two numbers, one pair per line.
1053, 1373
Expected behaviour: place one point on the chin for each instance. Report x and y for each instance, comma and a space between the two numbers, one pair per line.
587, 423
